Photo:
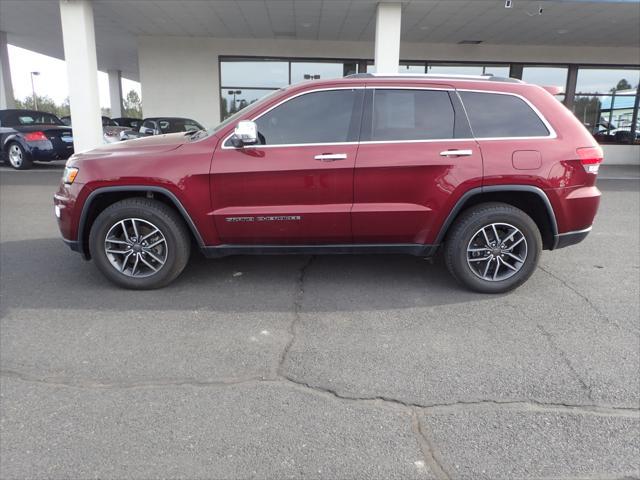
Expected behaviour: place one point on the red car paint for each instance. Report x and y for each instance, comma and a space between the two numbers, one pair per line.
382, 193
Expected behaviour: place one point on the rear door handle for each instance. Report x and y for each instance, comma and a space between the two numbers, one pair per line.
331, 157
456, 153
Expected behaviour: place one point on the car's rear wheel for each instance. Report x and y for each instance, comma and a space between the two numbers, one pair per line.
140, 243
18, 157
493, 248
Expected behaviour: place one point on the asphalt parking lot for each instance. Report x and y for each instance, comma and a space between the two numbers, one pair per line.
319, 367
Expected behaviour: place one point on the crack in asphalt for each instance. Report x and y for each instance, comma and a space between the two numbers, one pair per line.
297, 309
431, 455
444, 407
459, 405
585, 298
97, 384
563, 355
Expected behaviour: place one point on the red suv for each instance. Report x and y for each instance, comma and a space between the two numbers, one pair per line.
488, 170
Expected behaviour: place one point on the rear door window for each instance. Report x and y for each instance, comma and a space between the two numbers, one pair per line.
411, 115
495, 115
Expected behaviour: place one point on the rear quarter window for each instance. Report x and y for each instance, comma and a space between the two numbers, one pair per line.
498, 115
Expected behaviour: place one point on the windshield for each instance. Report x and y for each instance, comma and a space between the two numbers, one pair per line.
247, 109
37, 118
174, 125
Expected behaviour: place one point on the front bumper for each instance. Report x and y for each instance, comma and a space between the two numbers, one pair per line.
571, 238
66, 202
72, 244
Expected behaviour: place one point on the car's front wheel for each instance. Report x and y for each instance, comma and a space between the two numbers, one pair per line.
493, 248
18, 157
140, 243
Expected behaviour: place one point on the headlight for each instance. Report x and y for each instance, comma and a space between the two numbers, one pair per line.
69, 175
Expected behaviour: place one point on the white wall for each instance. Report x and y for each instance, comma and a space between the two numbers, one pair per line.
520, 53
621, 154
179, 75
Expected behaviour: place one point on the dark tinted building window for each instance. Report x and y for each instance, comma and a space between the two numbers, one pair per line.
319, 117
606, 103
411, 115
495, 115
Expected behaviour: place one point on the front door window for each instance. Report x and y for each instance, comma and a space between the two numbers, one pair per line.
317, 117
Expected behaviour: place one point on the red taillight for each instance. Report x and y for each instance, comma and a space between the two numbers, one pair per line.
35, 136
590, 158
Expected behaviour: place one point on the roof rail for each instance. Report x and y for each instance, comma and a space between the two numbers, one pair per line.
487, 77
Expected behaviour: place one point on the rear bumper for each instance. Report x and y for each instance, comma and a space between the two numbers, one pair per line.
571, 238
575, 208
45, 151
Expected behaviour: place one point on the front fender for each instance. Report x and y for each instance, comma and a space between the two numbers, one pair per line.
94, 194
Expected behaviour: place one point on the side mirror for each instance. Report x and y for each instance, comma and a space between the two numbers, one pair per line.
245, 133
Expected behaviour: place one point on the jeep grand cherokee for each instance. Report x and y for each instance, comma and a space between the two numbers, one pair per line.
489, 171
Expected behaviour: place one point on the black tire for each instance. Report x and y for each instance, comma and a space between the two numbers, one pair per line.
467, 226
24, 162
162, 217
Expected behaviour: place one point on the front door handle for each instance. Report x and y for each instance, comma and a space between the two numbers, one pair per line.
456, 153
331, 157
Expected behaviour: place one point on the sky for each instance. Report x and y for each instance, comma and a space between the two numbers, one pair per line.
52, 80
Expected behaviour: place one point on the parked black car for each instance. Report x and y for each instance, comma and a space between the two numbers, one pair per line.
106, 121
110, 129
130, 122
28, 135
162, 125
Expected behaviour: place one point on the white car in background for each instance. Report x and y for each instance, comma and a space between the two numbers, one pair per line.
162, 125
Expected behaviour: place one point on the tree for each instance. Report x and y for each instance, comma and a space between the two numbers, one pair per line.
622, 85
224, 109
45, 104
588, 111
132, 105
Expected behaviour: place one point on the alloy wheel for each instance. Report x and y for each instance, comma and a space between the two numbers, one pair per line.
15, 156
136, 248
497, 251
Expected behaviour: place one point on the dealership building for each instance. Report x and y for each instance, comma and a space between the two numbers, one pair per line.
207, 59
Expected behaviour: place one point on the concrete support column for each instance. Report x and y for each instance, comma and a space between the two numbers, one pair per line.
79, 40
6, 87
570, 90
115, 92
387, 47
516, 70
